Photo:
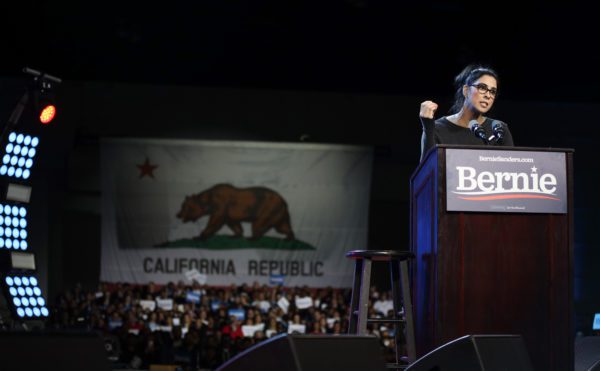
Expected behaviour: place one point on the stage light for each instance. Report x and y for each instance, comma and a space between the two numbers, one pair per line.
18, 158
44, 103
43, 95
13, 227
47, 114
25, 296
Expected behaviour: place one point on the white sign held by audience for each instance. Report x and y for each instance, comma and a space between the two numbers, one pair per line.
383, 306
296, 328
284, 304
303, 303
263, 305
249, 330
330, 322
194, 275
148, 304
164, 304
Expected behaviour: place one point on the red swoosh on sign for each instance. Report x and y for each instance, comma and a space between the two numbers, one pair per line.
509, 196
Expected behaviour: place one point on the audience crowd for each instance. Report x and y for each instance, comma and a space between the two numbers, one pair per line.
199, 327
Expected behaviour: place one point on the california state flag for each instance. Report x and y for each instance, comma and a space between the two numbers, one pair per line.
232, 212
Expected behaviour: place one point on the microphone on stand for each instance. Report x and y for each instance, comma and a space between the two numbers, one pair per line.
498, 130
478, 131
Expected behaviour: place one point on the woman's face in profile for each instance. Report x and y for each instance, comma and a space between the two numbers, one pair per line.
481, 94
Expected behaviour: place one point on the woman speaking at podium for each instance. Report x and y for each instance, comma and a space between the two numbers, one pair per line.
476, 92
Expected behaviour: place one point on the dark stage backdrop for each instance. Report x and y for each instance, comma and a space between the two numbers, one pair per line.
66, 196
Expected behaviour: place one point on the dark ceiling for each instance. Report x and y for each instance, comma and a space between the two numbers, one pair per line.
543, 51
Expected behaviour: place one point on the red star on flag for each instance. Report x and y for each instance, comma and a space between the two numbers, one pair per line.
147, 169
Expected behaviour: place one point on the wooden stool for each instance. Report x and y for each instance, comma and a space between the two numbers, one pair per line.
359, 306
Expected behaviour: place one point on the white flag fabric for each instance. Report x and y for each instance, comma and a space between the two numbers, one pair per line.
236, 212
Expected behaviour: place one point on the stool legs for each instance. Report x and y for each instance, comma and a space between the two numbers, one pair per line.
355, 295
404, 330
396, 291
359, 306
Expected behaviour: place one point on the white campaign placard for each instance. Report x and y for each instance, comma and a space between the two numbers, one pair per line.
164, 304
148, 304
284, 304
303, 303
250, 330
194, 275
296, 328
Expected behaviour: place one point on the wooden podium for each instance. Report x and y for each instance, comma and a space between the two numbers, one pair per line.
506, 269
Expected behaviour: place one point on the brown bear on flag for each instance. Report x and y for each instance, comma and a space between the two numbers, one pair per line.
230, 206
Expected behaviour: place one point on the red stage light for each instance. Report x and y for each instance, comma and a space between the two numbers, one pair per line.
47, 114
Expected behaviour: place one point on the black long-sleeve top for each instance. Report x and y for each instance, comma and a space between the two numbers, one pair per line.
442, 131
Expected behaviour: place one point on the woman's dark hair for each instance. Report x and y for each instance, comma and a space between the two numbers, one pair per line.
466, 77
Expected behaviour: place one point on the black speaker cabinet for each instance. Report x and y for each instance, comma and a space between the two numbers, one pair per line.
36, 351
587, 353
292, 352
477, 353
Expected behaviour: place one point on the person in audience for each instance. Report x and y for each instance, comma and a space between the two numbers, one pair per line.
337, 328
272, 327
261, 303
259, 336
193, 335
317, 328
233, 328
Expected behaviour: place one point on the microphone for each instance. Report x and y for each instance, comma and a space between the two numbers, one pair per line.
478, 130
498, 130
